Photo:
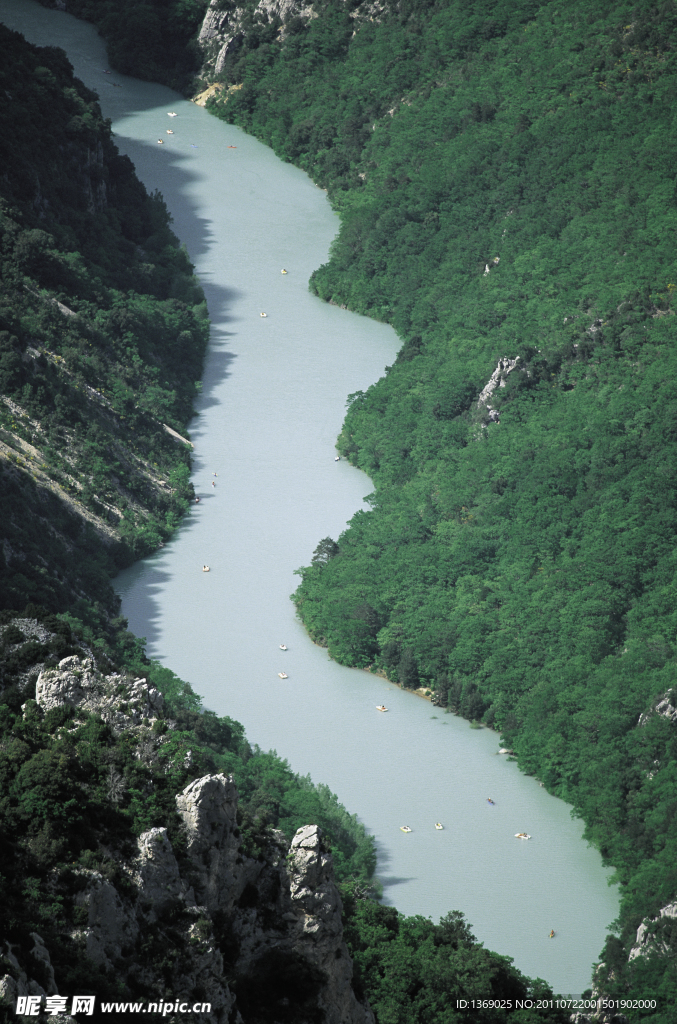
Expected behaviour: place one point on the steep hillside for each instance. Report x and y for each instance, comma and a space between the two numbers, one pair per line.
151, 857
505, 179
102, 334
134, 871
151, 39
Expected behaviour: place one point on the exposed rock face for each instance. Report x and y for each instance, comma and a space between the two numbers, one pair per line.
643, 941
111, 927
120, 702
208, 807
218, 36
664, 707
18, 983
277, 917
222, 31
297, 922
318, 932
497, 380
158, 873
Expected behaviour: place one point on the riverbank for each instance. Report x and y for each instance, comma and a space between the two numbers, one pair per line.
262, 520
516, 554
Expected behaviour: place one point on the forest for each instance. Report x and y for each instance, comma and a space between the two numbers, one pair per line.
75, 795
505, 179
103, 329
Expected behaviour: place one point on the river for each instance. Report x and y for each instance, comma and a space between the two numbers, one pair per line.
271, 407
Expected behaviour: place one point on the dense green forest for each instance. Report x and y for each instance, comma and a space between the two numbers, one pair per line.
91, 368
76, 794
505, 175
150, 39
102, 333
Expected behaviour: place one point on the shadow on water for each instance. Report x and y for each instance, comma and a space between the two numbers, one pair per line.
384, 859
218, 361
122, 97
155, 577
176, 175
390, 880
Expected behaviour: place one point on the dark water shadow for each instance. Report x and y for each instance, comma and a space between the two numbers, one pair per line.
383, 861
388, 880
145, 605
197, 234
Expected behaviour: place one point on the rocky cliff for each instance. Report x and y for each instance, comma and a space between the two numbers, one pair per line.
201, 919
224, 29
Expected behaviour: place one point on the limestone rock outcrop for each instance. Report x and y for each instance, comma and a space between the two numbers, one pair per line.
158, 874
497, 380
294, 923
664, 707
317, 932
121, 702
19, 982
111, 927
277, 915
223, 30
643, 941
208, 807
248, 924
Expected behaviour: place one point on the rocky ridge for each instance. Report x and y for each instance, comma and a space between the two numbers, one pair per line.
664, 706
260, 937
223, 31
646, 940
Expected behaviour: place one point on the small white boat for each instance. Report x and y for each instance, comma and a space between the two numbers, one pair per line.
381, 707
405, 828
283, 271
169, 131
160, 142
205, 568
283, 647
439, 825
337, 458
171, 113
522, 835
283, 675
263, 314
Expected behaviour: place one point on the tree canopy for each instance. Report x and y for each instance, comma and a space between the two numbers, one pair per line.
505, 180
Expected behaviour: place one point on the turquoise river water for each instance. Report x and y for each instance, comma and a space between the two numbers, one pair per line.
271, 407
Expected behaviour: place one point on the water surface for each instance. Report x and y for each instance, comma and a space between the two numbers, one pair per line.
272, 404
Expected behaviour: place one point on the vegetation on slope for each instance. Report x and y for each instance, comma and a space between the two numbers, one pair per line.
415, 972
150, 39
505, 178
103, 329
91, 368
531, 556
76, 793
102, 332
